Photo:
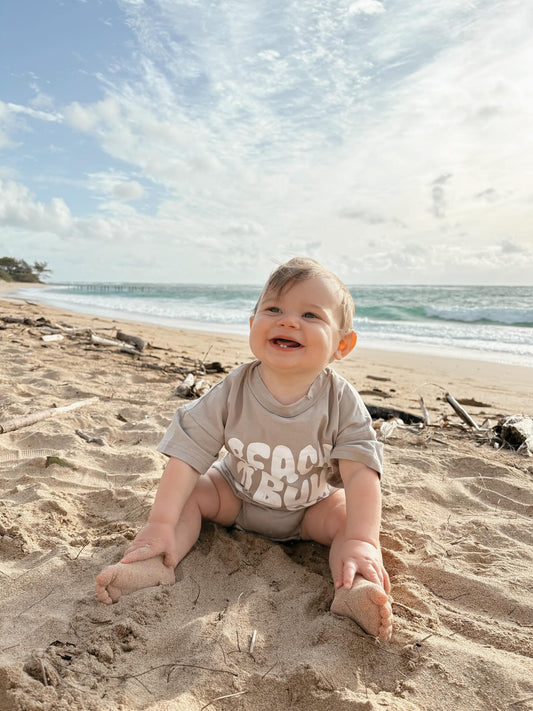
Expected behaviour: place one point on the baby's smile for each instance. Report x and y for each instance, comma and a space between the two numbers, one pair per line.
285, 343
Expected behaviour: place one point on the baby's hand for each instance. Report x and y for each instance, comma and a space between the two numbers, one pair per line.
152, 540
360, 558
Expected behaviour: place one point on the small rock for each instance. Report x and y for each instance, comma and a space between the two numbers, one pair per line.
517, 432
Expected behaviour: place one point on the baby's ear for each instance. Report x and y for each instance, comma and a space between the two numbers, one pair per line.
346, 345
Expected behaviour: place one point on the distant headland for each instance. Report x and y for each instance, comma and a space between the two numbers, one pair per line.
18, 270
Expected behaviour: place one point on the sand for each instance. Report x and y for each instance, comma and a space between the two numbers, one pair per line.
456, 538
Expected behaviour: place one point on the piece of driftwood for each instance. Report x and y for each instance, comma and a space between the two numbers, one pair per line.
39, 322
99, 341
463, 414
90, 438
191, 387
387, 429
135, 341
215, 367
170, 368
375, 392
185, 389
388, 413
425, 413
52, 337
24, 420
15, 319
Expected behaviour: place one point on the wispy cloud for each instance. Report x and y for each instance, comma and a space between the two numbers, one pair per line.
34, 113
378, 137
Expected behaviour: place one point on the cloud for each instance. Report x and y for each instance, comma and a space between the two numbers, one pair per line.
344, 131
41, 100
81, 118
35, 113
438, 196
115, 185
510, 247
6, 125
18, 208
131, 190
362, 215
366, 7
488, 195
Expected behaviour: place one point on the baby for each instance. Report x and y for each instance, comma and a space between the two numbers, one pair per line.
302, 458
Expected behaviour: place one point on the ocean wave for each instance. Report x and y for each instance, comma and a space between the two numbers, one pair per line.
512, 317
417, 318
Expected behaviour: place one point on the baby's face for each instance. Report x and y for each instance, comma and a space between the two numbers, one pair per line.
299, 329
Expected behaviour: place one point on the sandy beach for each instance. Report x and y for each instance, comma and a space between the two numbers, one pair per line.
76, 486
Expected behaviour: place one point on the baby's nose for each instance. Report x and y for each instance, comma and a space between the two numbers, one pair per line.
289, 319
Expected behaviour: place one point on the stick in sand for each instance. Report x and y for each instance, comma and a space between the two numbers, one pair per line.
24, 420
425, 413
463, 414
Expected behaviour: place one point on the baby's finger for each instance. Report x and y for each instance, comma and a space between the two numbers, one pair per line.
386, 582
336, 572
170, 560
348, 573
141, 553
371, 574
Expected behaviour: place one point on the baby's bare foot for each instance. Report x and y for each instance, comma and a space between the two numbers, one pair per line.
125, 578
367, 604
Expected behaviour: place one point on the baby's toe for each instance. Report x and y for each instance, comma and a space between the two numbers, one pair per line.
106, 592
377, 595
102, 594
385, 630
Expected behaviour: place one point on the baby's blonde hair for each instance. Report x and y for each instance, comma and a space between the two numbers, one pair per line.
300, 269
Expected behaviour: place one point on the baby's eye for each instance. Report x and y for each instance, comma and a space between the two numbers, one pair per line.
310, 314
273, 309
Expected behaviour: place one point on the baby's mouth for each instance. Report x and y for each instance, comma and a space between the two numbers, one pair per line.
286, 343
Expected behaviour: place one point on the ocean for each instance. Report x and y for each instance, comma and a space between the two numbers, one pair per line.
481, 322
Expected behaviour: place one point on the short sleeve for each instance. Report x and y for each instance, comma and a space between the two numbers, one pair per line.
196, 433
356, 439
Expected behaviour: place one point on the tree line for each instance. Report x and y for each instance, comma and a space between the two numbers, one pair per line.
12, 269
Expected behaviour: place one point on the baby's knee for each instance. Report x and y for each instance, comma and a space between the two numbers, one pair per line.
335, 520
215, 498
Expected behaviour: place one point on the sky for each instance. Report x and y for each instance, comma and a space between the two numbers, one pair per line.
210, 140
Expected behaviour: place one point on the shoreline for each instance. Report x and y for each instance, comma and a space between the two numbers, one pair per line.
429, 375
397, 351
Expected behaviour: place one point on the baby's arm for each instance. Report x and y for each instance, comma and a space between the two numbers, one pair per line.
360, 551
158, 536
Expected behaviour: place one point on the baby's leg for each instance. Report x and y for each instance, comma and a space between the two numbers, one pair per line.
365, 602
211, 499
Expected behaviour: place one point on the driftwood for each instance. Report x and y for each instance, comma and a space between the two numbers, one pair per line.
134, 341
24, 420
169, 368
99, 341
425, 413
90, 438
39, 322
388, 413
463, 414
191, 387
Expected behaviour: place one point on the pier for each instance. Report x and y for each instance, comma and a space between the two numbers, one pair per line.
113, 288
